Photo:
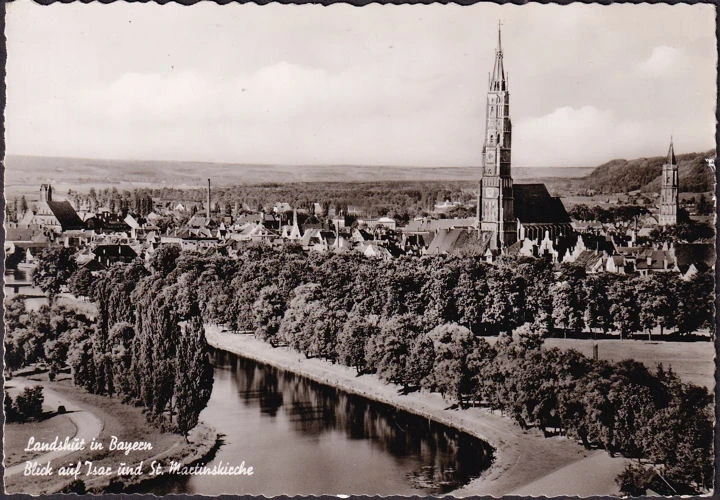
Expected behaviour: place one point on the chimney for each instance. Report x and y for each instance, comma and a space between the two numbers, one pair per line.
208, 201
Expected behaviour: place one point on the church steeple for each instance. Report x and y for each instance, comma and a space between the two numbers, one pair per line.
495, 201
671, 154
498, 82
669, 189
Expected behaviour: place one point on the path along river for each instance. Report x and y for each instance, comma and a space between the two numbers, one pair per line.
301, 438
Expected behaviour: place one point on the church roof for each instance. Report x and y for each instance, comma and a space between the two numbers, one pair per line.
436, 224
65, 214
534, 205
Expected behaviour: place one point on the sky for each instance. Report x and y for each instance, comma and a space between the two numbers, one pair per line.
377, 85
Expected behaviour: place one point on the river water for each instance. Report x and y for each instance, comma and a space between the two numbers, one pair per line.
305, 438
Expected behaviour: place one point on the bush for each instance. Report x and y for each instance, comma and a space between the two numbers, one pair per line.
29, 402
77, 486
11, 413
633, 481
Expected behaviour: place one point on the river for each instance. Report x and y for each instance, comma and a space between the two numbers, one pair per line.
304, 438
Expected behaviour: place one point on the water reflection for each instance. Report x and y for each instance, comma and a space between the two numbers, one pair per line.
333, 442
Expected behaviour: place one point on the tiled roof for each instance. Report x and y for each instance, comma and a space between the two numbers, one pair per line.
452, 240
533, 204
65, 214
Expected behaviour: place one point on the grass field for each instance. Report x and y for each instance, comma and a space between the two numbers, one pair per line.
693, 362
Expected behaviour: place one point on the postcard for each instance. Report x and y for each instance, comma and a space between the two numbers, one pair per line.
338, 250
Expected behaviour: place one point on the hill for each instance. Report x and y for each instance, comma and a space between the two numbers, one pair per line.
644, 174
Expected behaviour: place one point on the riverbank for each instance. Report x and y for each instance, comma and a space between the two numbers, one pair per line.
523, 459
101, 418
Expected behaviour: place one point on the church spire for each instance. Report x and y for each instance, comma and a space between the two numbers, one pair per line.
671, 160
669, 202
498, 81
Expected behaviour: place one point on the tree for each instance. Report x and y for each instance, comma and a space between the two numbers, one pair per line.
164, 258
695, 303
120, 341
597, 306
296, 330
538, 276
451, 375
387, 351
656, 301
29, 402
420, 362
11, 411
82, 362
54, 268
352, 339
624, 306
505, 301
80, 282
193, 375
268, 309
567, 309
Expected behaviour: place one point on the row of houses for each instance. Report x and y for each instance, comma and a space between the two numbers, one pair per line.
111, 240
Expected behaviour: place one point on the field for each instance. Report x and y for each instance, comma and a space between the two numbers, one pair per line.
693, 362
24, 174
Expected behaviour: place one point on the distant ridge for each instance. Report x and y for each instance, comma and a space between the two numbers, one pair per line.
644, 174
29, 171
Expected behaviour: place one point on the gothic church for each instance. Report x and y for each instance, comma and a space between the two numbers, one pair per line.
508, 213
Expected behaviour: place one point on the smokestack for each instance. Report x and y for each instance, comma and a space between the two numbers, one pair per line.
208, 201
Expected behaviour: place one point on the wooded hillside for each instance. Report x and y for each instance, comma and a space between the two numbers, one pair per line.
644, 174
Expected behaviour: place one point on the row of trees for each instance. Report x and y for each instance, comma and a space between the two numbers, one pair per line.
148, 345
417, 323
401, 320
146, 329
255, 290
625, 213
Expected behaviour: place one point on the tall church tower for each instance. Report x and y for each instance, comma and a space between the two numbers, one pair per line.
669, 190
495, 200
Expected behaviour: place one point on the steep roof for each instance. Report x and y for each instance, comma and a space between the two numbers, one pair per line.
671, 160
447, 240
453, 240
65, 214
534, 205
702, 255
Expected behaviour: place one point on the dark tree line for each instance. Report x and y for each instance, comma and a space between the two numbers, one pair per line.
625, 213
147, 344
419, 323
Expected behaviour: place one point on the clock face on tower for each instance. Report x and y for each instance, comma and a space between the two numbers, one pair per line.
490, 192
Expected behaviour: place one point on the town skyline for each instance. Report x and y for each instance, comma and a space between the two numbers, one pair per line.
362, 91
